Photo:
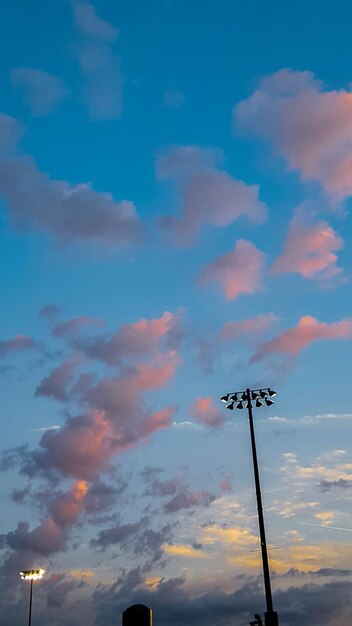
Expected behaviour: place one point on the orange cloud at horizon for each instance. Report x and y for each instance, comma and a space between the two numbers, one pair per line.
184, 551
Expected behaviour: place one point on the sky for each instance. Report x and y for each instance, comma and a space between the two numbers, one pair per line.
175, 215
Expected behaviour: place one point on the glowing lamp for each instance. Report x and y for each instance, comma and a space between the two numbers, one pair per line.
32, 574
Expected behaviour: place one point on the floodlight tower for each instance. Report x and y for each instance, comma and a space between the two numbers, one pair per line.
241, 400
31, 574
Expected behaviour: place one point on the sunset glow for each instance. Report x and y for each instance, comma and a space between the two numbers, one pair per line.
175, 216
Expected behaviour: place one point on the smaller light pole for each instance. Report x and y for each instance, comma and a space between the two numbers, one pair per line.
31, 574
241, 400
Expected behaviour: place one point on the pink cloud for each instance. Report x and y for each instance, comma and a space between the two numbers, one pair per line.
237, 272
308, 329
85, 445
310, 249
52, 533
132, 340
309, 127
17, 344
249, 326
204, 411
208, 195
120, 399
81, 449
114, 414
155, 376
117, 420
66, 507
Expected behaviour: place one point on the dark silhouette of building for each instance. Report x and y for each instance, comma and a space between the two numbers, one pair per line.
257, 621
137, 615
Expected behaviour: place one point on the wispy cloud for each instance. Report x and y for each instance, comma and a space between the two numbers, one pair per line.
100, 66
19, 343
173, 99
333, 471
42, 91
184, 551
208, 196
251, 326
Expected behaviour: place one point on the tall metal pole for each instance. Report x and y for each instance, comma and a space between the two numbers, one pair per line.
271, 617
30, 603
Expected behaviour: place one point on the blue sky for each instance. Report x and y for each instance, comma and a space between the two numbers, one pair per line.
175, 219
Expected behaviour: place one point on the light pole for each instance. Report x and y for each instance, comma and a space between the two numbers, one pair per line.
31, 574
240, 400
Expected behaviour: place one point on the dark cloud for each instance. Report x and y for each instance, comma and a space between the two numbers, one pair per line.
20, 495
150, 542
342, 483
73, 326
331, 571
186, 499
55, 384
181, 496
50, 311
44, 540
69, 213
13, 457
172, 605
102, 497
139, 539
56, 588
116, 535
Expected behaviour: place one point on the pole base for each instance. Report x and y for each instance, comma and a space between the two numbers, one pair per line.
271, 619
